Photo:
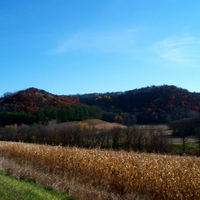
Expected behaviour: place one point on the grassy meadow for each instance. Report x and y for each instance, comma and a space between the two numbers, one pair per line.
12, 188
104, 174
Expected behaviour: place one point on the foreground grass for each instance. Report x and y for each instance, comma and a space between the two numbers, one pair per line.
11, 188
104, 174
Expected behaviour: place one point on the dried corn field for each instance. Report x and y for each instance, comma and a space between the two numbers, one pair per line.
104, 174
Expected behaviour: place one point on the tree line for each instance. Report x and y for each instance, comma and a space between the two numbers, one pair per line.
69, 113
81, 134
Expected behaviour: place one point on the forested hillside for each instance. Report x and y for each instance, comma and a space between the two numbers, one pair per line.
156, 104
31, 99
38, 106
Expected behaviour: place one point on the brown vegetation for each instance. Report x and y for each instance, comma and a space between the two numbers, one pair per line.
104, 174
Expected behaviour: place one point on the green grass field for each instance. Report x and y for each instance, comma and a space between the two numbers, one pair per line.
12, 188
191, 148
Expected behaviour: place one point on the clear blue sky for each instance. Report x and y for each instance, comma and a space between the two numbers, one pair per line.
86, 46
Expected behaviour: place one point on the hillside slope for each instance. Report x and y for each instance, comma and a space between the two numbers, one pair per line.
32, 98
156, 104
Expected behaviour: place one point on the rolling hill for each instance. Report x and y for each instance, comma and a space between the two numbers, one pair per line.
156, 104
32, 98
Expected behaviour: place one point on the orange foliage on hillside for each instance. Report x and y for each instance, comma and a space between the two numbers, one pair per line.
31, 99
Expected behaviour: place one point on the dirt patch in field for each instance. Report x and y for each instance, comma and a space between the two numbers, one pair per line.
100, 124
93, 123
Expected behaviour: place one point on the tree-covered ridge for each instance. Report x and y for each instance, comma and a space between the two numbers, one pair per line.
156, 104
32, 99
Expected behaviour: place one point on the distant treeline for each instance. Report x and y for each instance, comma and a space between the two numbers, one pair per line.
83, 135
69, 113
186, 127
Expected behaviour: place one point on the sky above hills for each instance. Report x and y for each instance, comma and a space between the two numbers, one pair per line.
86, 46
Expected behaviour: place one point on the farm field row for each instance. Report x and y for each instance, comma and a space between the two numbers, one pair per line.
105, 174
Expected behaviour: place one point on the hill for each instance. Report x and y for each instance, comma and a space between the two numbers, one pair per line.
32, 98
156, 104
